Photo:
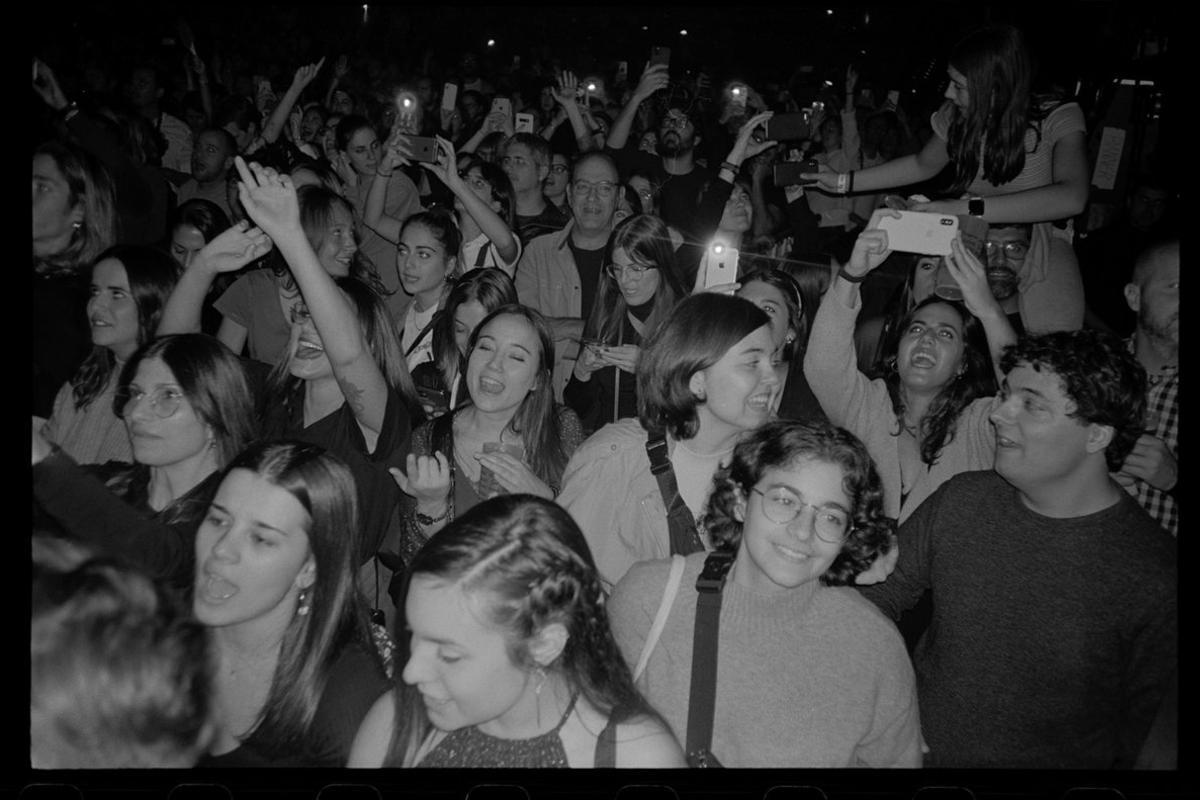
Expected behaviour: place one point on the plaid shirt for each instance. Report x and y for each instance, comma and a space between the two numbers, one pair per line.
1162, 412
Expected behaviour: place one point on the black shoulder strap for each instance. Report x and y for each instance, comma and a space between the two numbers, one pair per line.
421, 335
606, 744
680, 523
702, 697
481, 256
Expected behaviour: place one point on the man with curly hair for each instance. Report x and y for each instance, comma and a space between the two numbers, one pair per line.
1054, 628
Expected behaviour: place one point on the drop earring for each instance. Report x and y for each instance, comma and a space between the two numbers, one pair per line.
304, 603
540, 672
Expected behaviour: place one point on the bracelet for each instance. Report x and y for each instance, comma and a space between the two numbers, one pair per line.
729, 165
426, 520
843, 179
846, 276
850, 182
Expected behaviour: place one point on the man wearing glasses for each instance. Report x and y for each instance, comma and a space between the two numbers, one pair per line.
673, 170
1006, 248
559, 272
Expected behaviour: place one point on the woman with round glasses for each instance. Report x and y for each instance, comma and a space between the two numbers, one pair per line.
637, 289
808, 673
188, 409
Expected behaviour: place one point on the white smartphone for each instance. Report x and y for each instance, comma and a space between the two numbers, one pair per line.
720, 265
449, 96
503, 105
920, 232
524, 123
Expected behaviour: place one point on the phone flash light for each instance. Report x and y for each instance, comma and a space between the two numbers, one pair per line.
737, 90
591, 87
683, 33
491, 42
407, 102
718, 248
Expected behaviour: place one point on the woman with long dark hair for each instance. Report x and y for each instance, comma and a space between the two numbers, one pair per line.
1017, 156
637, 288
511, 662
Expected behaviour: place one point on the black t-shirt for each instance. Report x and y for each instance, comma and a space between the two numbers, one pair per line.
588, 263
679, 195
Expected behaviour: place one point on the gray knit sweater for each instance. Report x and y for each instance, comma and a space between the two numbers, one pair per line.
1051, 640
812, 677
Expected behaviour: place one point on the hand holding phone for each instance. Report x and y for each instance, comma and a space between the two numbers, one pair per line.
449, 96
659, 55
524, 123
720, 265
502, 105
790, 173
488, 486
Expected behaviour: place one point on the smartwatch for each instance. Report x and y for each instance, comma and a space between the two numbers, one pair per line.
975, 206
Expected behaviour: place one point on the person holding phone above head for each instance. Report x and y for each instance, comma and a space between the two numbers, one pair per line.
704, 378
512, 663
927, 419
637, 290
525, 159
511, 437
796, 515
484, 205
297, 665
442, 381
725, 215
1017, 156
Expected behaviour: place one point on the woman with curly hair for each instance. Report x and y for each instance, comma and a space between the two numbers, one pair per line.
807, 674
926, 420
511, 660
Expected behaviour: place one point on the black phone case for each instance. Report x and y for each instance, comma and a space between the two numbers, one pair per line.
423, 149
787, 173
787, 127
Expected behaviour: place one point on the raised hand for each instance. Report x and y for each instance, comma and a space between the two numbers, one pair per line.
565, 89
871, 246
653, 79
234, 248
971, 277
745, 146
426, 479
269, 198
851, 79
341, 67
46, 85
305, 74
41, 447
446, 167
1151, 461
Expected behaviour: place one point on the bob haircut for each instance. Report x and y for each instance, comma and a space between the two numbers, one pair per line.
119, 671
88, 185
647, 242
975, 378
212, 379
491, 288
324, 487
151, 275
317, 204
1099, 375
779, 444
527, 565
536, 419
698, 332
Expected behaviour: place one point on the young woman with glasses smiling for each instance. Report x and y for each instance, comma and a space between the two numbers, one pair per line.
637, 288
809, 674
187, 405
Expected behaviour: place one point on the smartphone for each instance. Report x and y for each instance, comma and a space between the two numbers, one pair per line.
660, 55
449, 96
488, 485
524, 123
720, 264
622, 71
737, 95
787, 127
787, 173
437, 399
503, 105
422, 148
920, 232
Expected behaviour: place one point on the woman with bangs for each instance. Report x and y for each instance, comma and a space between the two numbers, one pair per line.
296, 664
511, 437
188, 410
808, 673
1018, 156
638, 287
130, 285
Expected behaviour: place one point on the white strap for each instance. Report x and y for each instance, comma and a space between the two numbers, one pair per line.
664, 610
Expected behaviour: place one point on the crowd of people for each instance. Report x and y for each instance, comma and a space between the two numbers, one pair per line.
371, 417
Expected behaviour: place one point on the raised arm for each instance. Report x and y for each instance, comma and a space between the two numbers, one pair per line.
495, 228
229, 251
340, 68
270, 200
971, 277
564, 95
374, 216
653, 78
898, 172
279, 117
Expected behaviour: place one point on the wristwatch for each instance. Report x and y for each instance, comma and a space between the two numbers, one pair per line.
975, 206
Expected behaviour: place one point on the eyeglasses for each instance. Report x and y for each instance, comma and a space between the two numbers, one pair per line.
604, 189
781, 507
1013, 251
677, 123
633, 270
163, 402
300, 314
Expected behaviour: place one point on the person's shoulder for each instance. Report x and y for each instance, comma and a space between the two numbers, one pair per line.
647, 578
643, 741
544, 243
852, 609
613, 438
